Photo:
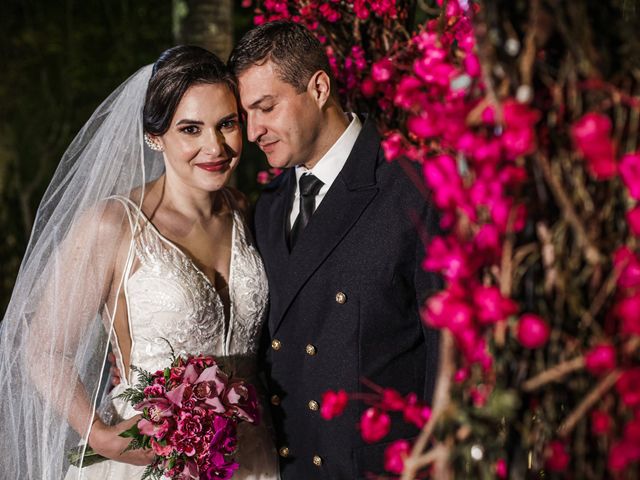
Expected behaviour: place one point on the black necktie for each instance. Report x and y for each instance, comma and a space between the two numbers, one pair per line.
309, 188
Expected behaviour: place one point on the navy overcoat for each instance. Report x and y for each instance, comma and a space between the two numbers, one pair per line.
344, 305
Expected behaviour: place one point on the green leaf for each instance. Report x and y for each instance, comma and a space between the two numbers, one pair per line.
75, 457
133, 432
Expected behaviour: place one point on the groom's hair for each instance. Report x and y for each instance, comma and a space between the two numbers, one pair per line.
295, 52
177, 69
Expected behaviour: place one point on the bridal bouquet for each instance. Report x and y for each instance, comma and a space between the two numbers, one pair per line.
190, 412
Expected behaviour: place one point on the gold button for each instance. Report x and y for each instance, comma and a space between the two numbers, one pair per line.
311, 350
275, 400
317, 461
276, 344
284, 452
341, 298
313, 405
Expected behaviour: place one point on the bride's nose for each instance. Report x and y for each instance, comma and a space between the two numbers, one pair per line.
214, 143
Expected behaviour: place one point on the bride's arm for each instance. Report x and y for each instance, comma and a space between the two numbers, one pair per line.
67, 341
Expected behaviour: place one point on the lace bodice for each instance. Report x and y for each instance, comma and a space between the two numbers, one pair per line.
170, 299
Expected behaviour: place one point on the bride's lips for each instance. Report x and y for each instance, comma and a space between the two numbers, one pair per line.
214, 166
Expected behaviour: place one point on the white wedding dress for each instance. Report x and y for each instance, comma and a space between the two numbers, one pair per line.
169, 297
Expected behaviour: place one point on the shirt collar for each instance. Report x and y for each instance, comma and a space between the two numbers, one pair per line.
329, 166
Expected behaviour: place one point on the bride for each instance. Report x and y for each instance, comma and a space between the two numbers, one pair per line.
132, 245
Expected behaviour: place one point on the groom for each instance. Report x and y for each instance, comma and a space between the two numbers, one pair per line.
338, 231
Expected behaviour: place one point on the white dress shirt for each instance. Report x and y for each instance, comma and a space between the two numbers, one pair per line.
328, 167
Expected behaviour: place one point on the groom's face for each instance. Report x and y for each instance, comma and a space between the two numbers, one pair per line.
282, 121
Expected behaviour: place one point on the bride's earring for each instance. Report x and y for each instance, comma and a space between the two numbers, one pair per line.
152, 144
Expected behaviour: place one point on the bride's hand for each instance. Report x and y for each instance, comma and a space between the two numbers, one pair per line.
106, 441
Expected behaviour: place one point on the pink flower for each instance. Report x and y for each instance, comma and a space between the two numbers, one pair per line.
151, 429
189, 425
333, 403
632, 431
441, 174
242, 400
627, 311
395, 454
157, 408
154, 391
444, 310
472, 65
392, 400
491, 306
630, 173
621, 454
628, 386
408, 92
447, 256
557, 456
487, 242
160, 450
368, 88
501, 468
533, 331
263, 177
461, 375
423, 126
625, 261
374, 424
393, 146
600, 359
382, 70
591, 135
415, 412
633, 219
600, 422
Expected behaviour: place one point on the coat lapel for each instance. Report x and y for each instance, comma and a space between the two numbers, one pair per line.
349, 195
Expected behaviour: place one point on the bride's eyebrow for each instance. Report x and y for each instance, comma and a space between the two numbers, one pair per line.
190, 122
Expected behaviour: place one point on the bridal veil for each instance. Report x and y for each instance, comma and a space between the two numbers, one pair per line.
55, 335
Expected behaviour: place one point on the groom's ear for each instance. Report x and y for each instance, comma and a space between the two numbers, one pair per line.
319, 87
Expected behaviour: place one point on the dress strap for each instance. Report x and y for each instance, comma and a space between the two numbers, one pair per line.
134, 213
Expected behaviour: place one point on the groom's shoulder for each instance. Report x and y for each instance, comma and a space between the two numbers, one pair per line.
275, 185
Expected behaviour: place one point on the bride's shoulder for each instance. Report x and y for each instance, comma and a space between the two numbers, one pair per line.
106, 222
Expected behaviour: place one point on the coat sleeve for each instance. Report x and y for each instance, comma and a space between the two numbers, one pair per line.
426, 284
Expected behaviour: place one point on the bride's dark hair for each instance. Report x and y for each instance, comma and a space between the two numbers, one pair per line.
177, 69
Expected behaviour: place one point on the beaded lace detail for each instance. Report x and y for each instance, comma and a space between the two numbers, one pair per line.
169, 297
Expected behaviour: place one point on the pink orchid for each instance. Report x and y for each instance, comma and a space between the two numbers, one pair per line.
152, 429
